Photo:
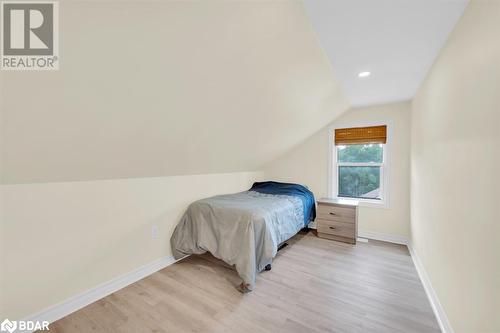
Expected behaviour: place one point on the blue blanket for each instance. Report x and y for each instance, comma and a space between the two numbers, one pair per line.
306, 196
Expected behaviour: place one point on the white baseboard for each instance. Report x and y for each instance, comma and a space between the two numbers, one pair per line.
441, 317
79, 301
397, 239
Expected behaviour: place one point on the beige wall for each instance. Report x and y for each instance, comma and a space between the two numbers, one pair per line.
455, 172
61, 239
167, 88
308, 164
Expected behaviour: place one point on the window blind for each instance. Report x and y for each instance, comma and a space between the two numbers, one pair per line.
361, 135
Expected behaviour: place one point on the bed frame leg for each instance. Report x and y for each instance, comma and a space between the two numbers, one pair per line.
282, 246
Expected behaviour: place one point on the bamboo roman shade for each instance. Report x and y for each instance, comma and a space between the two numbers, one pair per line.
361, 135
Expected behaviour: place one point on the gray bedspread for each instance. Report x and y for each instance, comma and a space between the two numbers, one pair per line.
243, 229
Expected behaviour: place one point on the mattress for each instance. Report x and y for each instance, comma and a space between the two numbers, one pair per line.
243, 229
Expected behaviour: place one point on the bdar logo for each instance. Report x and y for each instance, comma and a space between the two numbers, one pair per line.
24, 325
29, 35
8, 326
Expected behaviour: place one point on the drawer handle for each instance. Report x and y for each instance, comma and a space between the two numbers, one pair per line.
332, 213
332, 228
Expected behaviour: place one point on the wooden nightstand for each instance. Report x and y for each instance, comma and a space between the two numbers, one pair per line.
337, 220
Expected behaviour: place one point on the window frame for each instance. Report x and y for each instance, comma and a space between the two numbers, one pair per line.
333, 166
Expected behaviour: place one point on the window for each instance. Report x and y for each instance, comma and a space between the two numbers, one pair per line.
359, 170
359, 163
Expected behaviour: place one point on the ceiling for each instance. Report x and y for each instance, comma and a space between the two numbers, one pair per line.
211, 92
396, 40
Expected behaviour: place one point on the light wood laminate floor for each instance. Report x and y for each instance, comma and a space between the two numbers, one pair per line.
315, 285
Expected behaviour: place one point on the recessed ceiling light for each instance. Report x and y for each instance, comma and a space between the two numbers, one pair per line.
364, 74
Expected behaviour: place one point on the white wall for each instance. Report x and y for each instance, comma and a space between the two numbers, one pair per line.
455, 177
61, 239
308, 164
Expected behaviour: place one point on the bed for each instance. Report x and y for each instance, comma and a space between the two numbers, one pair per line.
245, 229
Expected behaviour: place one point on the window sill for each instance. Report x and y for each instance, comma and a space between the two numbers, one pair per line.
365, 202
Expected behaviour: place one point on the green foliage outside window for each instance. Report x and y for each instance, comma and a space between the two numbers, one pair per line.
360, 153
359, 181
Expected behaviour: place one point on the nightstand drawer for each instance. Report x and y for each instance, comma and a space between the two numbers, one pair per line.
336, 213
336, 228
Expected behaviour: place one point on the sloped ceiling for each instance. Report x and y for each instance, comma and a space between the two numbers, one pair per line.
396, 40
167, 88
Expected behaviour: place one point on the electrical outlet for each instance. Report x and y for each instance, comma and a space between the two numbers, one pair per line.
154, 231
